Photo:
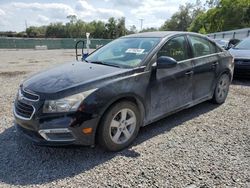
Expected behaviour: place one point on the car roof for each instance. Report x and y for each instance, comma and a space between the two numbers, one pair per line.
158, 34
221, 40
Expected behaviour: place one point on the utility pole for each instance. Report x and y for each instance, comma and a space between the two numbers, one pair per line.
141, 22
26, 25
124, 25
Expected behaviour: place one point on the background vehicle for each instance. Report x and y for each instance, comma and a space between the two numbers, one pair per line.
227, 44
222, 43
131, 82
241, 54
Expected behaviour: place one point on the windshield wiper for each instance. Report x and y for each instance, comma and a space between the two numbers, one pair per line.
104, 63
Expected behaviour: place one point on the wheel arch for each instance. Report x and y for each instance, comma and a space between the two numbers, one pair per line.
125, 97
226, 71
138, 101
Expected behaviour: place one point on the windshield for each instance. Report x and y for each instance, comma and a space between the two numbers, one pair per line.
221, 42
124, 52
244, 45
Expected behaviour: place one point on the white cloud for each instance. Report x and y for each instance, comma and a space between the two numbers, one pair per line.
42, 6
158, 7
109, 12
41, 12
3, 21
156, 12
57, 10
84, 5
2, 13
43, 19
128, 3
87, 11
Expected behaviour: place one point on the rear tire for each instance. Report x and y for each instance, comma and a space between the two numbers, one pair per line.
221, 89
120, 126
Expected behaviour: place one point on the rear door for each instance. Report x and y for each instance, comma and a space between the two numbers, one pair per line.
205, 63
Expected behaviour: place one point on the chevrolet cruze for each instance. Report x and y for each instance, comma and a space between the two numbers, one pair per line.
128, 83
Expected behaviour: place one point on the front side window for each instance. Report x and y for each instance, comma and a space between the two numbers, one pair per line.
124, 52
175, 48
202, 46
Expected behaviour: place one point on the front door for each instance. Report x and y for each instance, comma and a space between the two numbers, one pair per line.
171, 88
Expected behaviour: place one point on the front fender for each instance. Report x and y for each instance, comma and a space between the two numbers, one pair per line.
133, 87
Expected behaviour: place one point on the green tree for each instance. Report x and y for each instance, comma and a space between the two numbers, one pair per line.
212, 3
98, 29
72, 18
111, 28
131, 30
33, 31
179, 21
56, 30
198, 23
120, 27
149, 29
224, 16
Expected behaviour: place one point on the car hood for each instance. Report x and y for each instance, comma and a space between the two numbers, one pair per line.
238, 53
70, 75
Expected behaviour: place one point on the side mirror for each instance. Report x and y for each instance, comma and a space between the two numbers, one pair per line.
224, 47
165, 62
229, 46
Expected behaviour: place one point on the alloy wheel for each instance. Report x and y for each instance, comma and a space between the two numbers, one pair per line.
222, 88
122, 126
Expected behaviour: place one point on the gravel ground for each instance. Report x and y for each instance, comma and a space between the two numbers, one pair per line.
205, 146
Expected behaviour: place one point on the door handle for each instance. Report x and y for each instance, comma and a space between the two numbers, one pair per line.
189, 73
215, 64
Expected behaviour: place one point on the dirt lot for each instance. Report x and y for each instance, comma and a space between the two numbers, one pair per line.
205, 146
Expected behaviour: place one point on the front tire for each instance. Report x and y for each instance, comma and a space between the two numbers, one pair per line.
221, 89
119, 126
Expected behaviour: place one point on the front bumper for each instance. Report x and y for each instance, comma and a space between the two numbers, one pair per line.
242, 68
55, 128
37, 138
61, 130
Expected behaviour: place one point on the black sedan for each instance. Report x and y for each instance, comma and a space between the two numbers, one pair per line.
241, 53
128, 83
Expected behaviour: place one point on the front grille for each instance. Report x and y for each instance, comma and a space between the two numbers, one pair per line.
24, 110
29, 95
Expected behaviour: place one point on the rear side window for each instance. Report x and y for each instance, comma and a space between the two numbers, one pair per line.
201, 46
176, 48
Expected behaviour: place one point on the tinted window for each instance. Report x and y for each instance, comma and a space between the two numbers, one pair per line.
175, 48
202, 46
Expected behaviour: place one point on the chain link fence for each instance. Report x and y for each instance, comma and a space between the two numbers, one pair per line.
62, 43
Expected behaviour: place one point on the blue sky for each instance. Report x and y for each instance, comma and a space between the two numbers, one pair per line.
13, 13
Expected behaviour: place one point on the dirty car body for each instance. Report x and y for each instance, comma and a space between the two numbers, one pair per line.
156, 91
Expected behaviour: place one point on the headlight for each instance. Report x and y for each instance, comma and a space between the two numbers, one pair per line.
67, 104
